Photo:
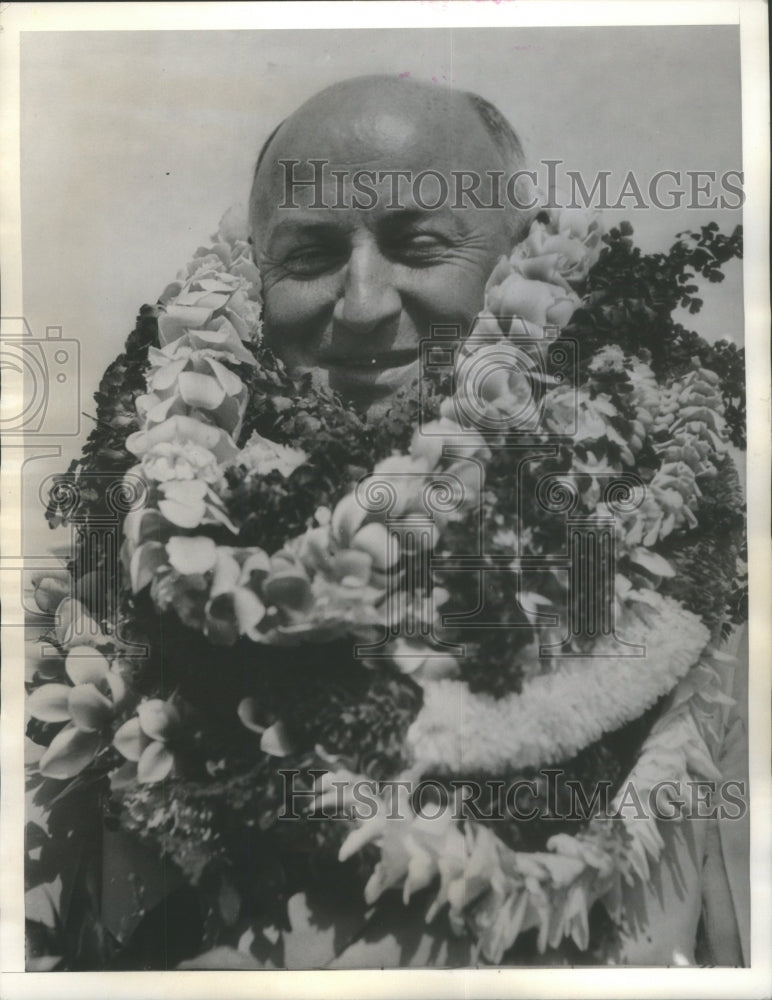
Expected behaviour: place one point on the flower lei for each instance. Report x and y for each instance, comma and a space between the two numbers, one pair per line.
333, 579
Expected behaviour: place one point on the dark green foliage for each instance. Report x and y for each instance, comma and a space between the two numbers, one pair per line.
630, 297
104, 452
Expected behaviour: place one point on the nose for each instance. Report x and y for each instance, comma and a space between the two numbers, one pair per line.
369, 302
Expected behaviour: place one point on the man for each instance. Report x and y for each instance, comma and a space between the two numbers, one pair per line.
377, 211
357, 262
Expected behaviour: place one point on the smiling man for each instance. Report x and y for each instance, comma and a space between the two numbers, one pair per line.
376, 212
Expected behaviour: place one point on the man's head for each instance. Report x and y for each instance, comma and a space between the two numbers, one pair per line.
390, 235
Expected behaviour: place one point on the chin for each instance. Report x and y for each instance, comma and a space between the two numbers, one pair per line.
371, 393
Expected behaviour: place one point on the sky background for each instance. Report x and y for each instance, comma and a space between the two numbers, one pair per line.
135, 143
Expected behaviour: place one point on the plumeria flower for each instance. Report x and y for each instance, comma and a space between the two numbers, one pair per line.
350, 529
51, 587
288, 586
224, 584
89, 706
262, 456
274, 740
180, 460
181, 429
194, 380
306, 607
397, 486
534, 284
207, 291
234, 608
76, 626
190, 504
541, 303
564, 250
148, 739
186, 596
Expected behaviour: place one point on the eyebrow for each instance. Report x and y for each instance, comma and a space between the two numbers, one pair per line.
314, 223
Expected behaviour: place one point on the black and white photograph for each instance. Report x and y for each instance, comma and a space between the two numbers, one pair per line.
386, 462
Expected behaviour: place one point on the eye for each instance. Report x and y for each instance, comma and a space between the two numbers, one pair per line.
314, 259
419, 247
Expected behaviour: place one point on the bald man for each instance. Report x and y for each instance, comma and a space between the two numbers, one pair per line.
358, 261
359, 258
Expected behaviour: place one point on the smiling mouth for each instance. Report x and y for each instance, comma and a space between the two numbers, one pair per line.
369, 362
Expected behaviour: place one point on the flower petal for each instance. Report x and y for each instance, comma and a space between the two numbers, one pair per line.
185, 492
69, 752
85, 666
155, 763
117, 685
165, 377
247, 713
183, 515
51, 589
130, 740
141, 525
346, 519
158, 718
184, 428
249, 611
123, 777
289, 589
199, 390
49, 703
255, 569
226, 573
76, 626
177, 320
379, 543
352, 563
224, 338
275, 741
89, 709
229, 380
148, 558
191, 556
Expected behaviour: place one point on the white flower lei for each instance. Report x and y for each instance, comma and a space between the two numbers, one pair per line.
332, 579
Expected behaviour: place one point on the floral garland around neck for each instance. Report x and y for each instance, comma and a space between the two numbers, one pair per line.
337, 578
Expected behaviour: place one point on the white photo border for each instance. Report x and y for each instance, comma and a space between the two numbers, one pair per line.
755, 981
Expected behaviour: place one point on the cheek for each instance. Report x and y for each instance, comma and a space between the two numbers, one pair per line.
296, 310
451, 294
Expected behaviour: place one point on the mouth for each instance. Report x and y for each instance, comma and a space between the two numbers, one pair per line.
379, 362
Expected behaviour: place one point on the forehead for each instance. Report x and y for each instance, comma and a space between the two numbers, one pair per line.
384, 129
